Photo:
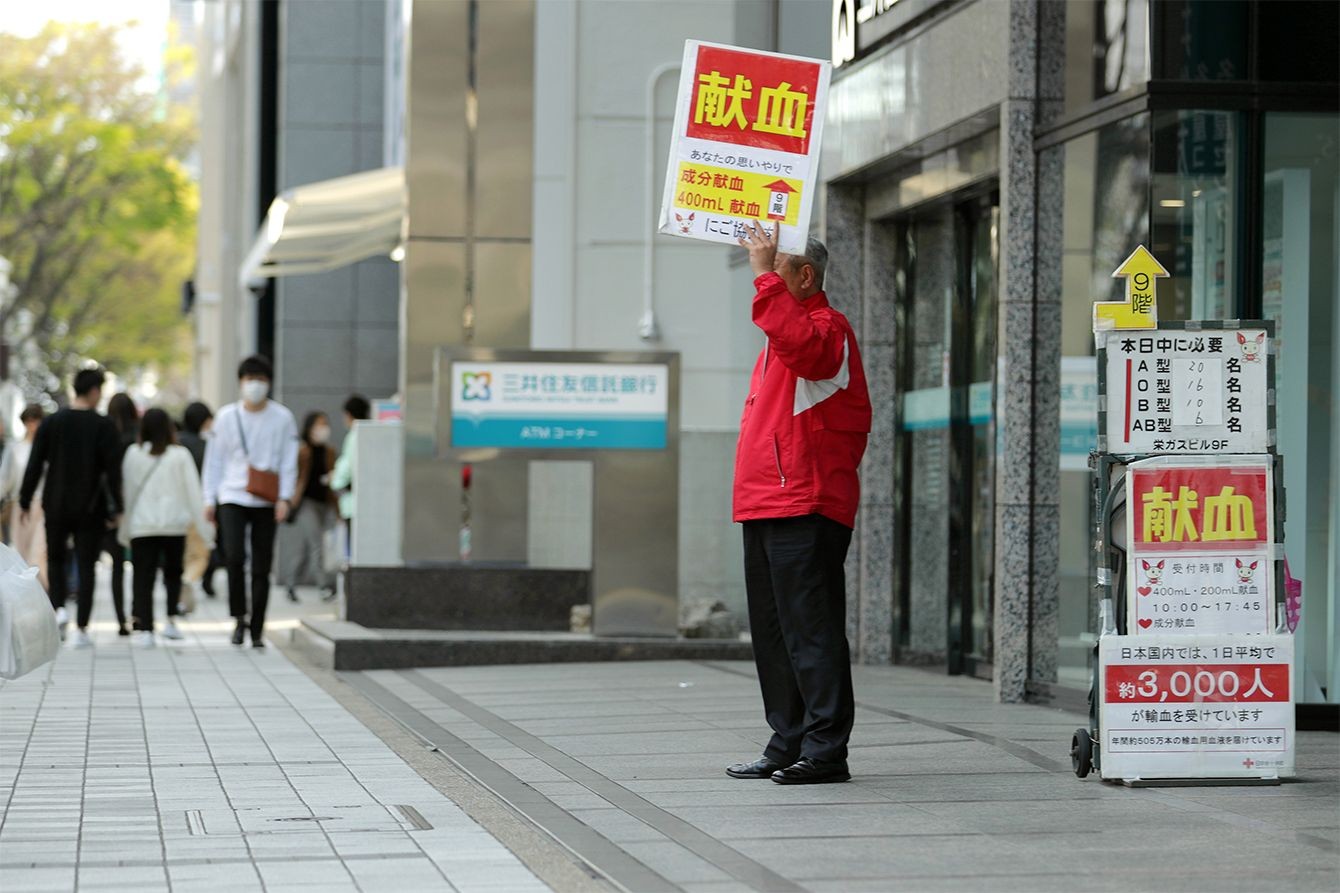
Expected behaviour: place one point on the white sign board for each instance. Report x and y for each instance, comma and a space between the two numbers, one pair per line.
1196, 707
559, 405
1200, 555
1176, 391
745, 145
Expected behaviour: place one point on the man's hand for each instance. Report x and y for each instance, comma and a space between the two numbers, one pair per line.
209, 514
281, 511
762, 247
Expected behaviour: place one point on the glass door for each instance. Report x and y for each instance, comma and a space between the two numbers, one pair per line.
944, 477
973, 432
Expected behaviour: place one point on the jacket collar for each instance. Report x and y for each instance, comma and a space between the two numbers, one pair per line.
816, 301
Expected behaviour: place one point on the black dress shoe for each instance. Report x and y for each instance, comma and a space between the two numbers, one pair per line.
808, 771
760, 768
239, 633
257, 643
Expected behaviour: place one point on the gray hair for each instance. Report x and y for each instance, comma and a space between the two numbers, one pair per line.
816, 255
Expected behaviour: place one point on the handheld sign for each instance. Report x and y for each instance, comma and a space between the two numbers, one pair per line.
745, 145
1140, 310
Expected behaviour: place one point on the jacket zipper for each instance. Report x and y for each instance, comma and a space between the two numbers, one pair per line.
777, 456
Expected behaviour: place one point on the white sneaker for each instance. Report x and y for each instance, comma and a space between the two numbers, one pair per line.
144, 639
62, 621
171, 632
82, 639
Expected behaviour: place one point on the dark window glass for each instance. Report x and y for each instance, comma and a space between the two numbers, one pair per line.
1091, 49
1197, 213
1299, 39
1202, 40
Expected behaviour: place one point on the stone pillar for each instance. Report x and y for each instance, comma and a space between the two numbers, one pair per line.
1027, 407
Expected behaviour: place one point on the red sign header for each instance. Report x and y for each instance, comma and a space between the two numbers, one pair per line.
752, 99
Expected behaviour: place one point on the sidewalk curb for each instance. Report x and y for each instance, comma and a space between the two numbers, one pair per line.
551, 862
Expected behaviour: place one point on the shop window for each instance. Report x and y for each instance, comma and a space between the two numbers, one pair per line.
1298, 41
1197, 214
1300, 226
1096, 47
1094, 209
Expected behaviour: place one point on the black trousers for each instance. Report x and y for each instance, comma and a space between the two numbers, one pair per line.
88, 534
234, 520
798, 619
117, 552
149, 554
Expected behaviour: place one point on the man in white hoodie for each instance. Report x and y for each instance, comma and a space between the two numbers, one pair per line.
251, 467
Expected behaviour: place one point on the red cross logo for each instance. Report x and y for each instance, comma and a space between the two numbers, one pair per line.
1249, 762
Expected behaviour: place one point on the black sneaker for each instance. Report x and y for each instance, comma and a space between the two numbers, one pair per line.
292, 594
257, 643
240, 632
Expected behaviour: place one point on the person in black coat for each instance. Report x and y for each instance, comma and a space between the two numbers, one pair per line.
79, 452
196, 423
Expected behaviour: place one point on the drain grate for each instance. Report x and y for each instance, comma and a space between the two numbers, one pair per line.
246, 822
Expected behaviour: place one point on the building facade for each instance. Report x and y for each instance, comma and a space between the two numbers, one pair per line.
989, 165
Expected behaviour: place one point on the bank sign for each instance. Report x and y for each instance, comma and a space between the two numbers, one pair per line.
745, 145
557, 406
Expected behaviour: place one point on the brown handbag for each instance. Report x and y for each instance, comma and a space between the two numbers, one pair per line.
260, 483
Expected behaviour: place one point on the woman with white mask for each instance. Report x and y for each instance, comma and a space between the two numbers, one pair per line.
302, 559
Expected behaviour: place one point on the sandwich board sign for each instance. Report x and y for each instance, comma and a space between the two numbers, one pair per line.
745, 146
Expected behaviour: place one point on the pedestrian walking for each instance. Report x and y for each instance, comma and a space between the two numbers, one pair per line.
802, 435
78, 450
125, 415
163, 502
251, 468
201, 564
302, 556
356, 409
27, 535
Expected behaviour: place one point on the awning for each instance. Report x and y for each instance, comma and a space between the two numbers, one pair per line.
326, 225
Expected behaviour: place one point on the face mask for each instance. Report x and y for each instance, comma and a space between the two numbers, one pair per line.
320, 435
254, 390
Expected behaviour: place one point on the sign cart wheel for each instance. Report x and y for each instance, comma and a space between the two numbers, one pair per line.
1081, 752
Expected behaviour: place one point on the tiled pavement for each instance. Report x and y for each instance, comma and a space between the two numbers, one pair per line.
200, 766
197, 766
952, 792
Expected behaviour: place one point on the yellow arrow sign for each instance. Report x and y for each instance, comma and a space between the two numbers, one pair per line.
1140, 309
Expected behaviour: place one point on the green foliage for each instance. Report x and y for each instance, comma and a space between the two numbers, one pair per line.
97, 212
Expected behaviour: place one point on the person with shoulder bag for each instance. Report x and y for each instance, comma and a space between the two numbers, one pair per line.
251, 470
163, 502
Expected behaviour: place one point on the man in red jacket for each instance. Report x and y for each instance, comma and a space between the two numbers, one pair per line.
802, 436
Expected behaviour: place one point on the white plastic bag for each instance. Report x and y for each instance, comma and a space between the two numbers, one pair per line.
28, 633
333, 548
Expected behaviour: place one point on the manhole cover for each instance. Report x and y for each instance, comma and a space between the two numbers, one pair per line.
245, 822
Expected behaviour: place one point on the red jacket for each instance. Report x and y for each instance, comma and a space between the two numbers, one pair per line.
807, 416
